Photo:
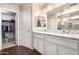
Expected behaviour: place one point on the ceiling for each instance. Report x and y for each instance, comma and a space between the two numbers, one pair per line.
44, 5
17, 4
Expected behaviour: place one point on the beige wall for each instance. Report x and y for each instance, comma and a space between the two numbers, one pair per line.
36, 12
10, 7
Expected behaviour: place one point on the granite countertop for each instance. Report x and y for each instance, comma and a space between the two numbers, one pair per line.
74, 36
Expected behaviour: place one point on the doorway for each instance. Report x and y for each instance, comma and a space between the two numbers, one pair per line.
8, 29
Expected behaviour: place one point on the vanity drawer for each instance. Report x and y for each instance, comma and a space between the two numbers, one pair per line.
62, 41
66, 51
38, 35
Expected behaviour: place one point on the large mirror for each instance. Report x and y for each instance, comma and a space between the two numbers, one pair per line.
66, 17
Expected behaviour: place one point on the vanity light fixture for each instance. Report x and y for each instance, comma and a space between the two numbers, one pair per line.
74, 17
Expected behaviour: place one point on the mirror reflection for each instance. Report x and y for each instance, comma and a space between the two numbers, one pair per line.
40, 21
66, 16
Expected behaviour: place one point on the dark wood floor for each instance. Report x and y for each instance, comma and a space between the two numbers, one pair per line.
19, 50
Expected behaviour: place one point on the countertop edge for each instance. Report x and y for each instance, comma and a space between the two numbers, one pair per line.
70, 36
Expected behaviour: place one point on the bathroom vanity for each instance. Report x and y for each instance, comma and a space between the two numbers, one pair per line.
48, 43
61, 33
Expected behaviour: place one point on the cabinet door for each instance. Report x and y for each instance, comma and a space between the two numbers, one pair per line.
35, 43
50, 48
66, 51
41, 45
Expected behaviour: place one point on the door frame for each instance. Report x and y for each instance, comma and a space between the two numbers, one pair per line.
16, 27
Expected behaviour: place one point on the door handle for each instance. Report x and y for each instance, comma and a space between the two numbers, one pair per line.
28, 31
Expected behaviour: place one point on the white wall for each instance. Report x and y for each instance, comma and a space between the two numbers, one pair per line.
26, 26
36, 12
52, 22
0, 33
17, 28
10, 7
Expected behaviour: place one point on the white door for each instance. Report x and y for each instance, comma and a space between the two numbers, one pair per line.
25, 37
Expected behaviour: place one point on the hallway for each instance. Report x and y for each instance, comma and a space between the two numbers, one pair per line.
10, 43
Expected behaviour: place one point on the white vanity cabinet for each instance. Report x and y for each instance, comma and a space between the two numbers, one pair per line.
48, 44
68, 48
60, 46
35, 43
41, 46
50, 47
39, 42
67, 51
